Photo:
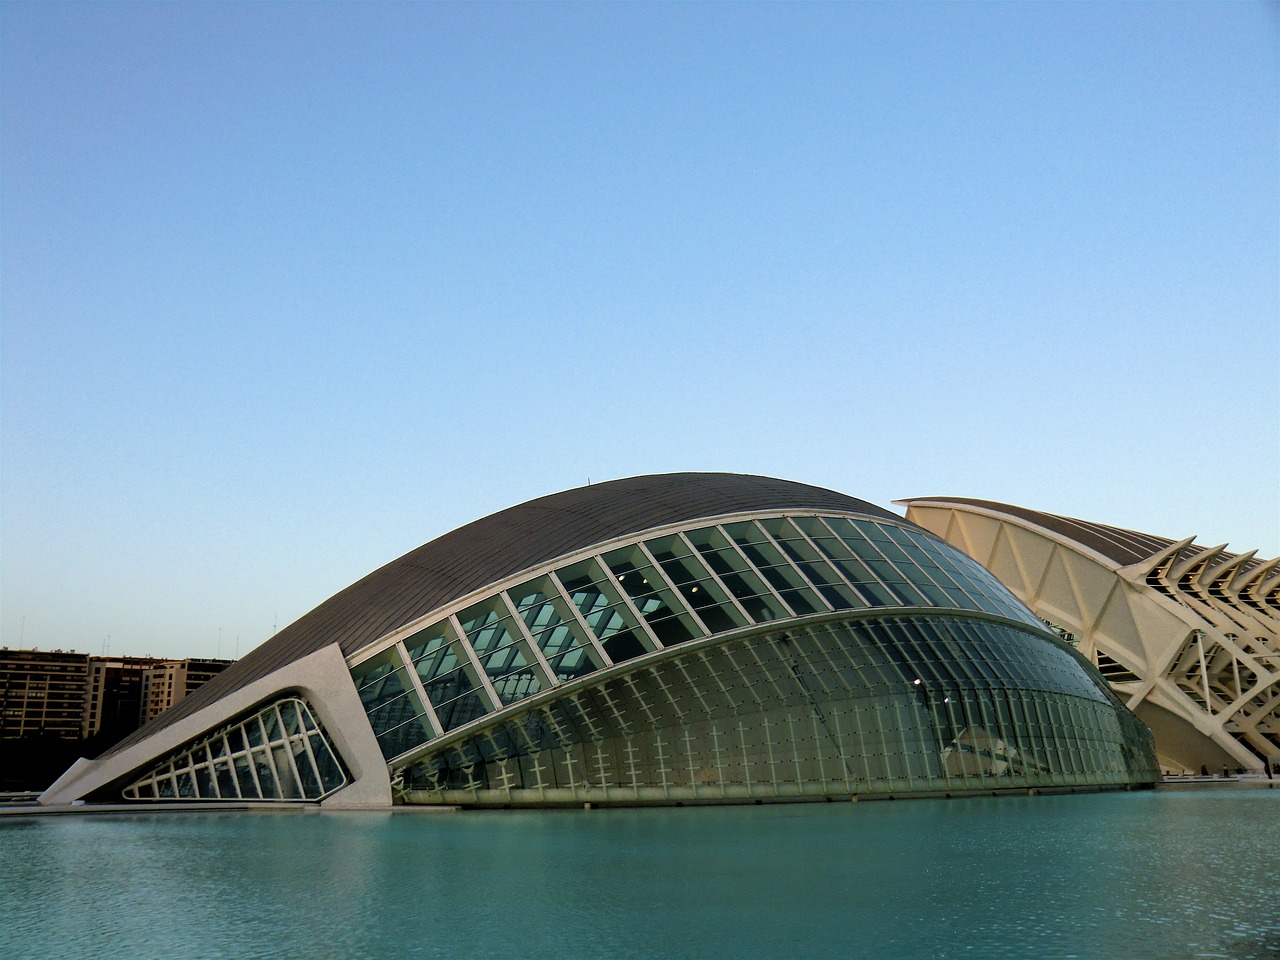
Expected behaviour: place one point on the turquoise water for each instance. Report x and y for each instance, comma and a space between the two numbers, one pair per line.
1154, 874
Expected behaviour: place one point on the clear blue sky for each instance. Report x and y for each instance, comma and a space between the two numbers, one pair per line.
290, 289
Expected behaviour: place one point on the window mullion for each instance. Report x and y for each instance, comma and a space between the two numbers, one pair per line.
782, 552
671, 590
625, 597
482, 675
764, 580
539, 658
697, 557
419, 687
587, 632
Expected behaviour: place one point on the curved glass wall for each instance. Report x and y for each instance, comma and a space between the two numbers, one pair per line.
893, 704
654, 593
279, 752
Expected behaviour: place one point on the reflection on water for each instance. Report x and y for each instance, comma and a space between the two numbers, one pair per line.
1193, 874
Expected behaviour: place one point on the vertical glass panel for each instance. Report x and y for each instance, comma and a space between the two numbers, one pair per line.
428, 642
462, 709
889, 549
394, 714
289, 788
575, 663
813, 566
289, 715
253, 730
766, 558
813, 528
447, 675
738, 577
825, 538
597, 599
649, 593
330, 773
437, 656
548, 618
870, 531
235, 739
380, 678
370, 671
696, 584
266, 775
852, 537
226, 781
488, 627
453, 683
248, 786
512, 673
306, 772
500, 648
856, 574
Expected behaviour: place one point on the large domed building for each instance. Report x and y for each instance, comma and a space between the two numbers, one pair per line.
671, 639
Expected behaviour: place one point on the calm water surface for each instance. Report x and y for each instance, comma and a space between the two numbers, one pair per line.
1167, 874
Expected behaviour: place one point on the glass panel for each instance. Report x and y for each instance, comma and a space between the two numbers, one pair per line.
813, 566
766, 558
488, 627
626, 645
512, 674
852, 537
226, 781
253, 727
576, 663
375, 668
740, 579
306, 771
205, 772
548, 618
438, 661
462, 709
380, 678
601, 606
398, 711
248, 786
266, 775
331, 776
235, 740
456, 695
428, 642
289, 788
289, 714
863, 581
696, 584
650, 595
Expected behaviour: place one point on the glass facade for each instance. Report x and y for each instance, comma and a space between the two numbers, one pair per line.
893, 704
823, 681
279, 752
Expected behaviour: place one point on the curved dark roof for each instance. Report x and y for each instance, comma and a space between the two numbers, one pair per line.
1121, 546
501, 545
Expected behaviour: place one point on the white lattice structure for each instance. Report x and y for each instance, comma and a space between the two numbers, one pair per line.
1189, 636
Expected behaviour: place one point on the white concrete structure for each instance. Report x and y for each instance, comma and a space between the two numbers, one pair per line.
1188, 636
